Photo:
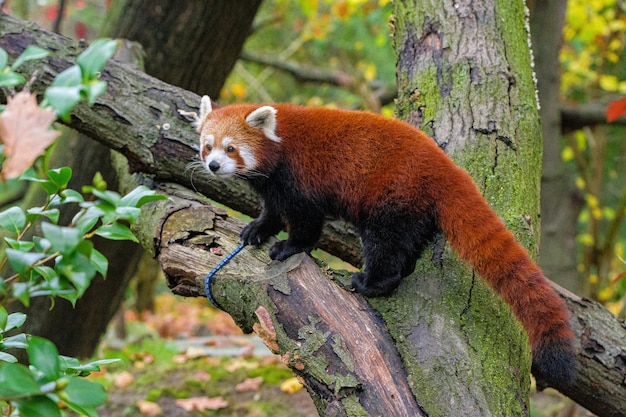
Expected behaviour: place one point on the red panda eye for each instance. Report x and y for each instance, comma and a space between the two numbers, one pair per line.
208, 147
230, 149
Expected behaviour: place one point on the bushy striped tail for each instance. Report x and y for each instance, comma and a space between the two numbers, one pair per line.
479, 236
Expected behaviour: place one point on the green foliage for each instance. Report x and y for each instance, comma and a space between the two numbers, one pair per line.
80, 81
8, 75
347, 39
61, 261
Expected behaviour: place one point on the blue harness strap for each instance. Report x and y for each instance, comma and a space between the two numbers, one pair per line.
210, 275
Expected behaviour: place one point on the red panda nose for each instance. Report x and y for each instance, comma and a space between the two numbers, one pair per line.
214, 166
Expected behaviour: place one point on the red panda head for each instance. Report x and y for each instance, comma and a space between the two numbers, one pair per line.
237, 140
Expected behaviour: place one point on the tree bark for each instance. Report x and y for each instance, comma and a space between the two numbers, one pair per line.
193, 44
464, 78
164, 152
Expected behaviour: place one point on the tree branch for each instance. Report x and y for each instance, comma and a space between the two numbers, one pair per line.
385, 93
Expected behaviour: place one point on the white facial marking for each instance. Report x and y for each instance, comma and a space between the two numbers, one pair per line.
226, 166
248, 157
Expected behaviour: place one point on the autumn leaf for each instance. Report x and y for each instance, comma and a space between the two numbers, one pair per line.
616, 109
148, 408
24, 129
249, 384
291, 386
202, 403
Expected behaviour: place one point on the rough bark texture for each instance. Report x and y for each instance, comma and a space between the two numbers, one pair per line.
559, 213
165, 152
464, 77
196, 43
330, 337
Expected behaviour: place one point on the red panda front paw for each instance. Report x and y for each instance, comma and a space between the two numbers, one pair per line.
255, 233
283, 249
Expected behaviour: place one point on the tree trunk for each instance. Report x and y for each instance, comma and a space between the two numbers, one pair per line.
465, 78
182, 248
196, 43
559, 204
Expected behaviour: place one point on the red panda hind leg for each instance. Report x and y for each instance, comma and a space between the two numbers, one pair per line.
392, 243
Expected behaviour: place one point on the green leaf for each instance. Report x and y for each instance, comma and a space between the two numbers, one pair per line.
38, 406
21, 261
63, 239
4, 317
37, 212
77, 268
60, 176
44, 356
85, 393
108, 196
18, 341
62, 99
70, 77
94, 58
116, 231
140, 196
21, 291
46, 272
75, 366
14, 321
19, 245
100, 262
85, 220
30, 53
93, 90
11, 79
13, 219
16, 380
83, 411
41, 244
4, 59
71, 196
131, 214
50, 187
6, 357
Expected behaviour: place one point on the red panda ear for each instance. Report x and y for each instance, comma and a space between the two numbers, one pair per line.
264, 118
205, 107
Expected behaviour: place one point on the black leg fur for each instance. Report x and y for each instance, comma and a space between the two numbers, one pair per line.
392, 243
304, 231
260, 229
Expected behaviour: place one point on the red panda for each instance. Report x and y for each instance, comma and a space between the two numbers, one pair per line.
397, 187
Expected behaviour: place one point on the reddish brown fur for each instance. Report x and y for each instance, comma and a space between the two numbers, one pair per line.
365, 162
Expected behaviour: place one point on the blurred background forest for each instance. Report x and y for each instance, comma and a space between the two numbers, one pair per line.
338, 53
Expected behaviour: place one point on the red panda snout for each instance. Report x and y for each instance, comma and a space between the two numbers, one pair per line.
223, 157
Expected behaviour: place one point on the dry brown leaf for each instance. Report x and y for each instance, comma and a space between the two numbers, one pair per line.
123, 379
148, 408
24, 129
202, 403
249, 384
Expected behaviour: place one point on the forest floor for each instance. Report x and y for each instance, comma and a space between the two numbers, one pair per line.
188, 359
